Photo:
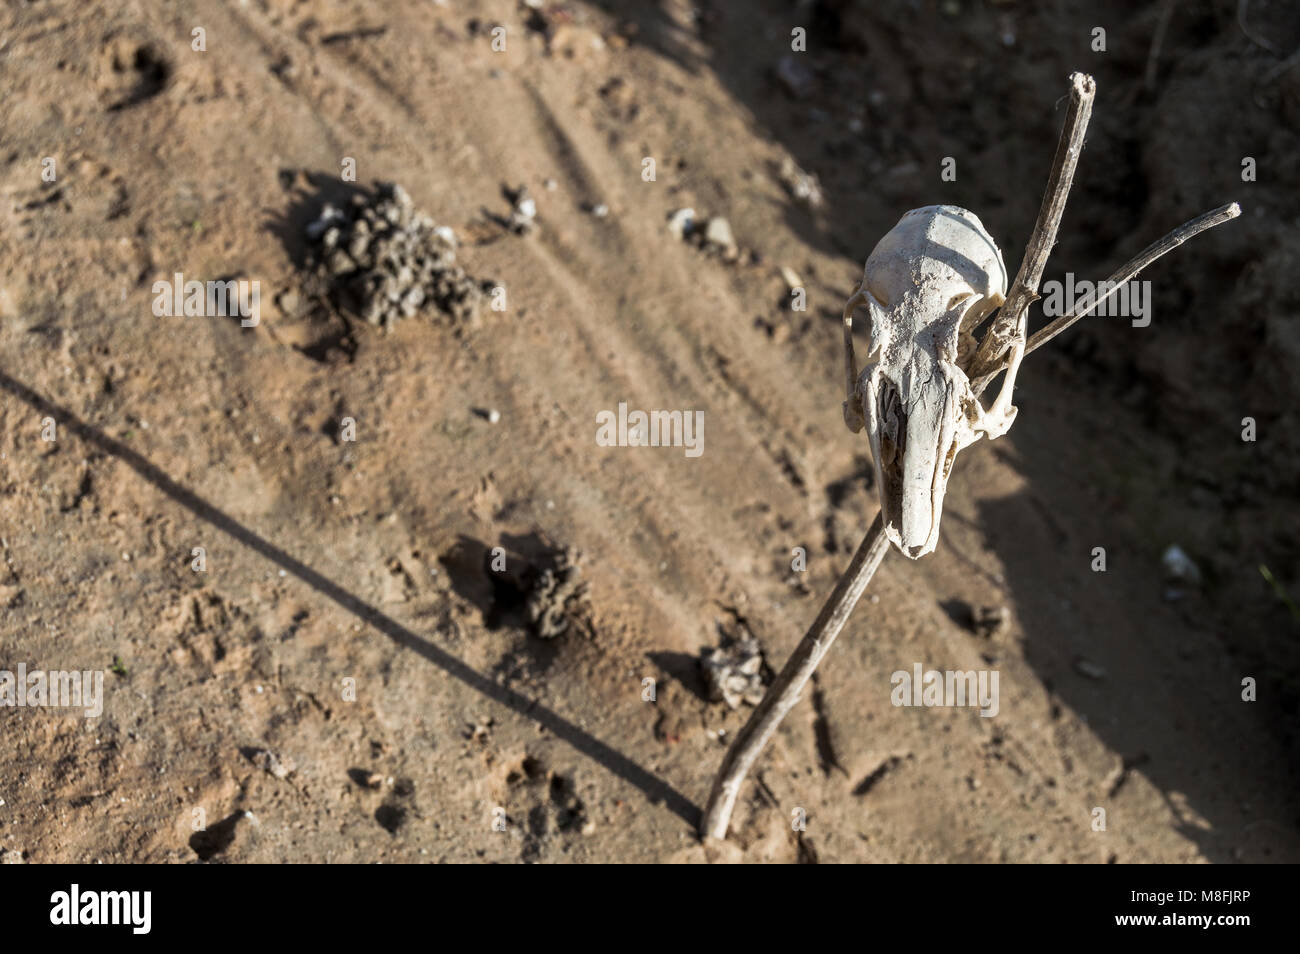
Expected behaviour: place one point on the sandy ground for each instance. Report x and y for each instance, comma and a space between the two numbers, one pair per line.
345, 620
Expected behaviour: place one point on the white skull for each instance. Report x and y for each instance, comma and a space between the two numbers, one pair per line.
928, 284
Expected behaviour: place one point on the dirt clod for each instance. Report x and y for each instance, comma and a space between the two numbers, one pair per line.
384, 261
271, 763
734, 674
555, 595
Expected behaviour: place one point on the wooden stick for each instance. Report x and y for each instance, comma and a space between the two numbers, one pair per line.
1127, 272
1024, 290
784, 692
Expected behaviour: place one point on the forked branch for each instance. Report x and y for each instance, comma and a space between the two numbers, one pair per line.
1024, 290
1127, 272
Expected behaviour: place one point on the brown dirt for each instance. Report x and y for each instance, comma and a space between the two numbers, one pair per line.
331, 561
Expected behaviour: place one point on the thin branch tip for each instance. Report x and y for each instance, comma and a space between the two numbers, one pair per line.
1126, 273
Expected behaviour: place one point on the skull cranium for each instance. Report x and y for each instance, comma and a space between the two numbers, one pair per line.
928, 284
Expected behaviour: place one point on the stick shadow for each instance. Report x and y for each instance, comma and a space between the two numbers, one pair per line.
655, 789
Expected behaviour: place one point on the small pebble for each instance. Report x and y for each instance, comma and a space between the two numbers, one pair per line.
681, 222
719, 238
271, 763
1179, 567
1090, 669
718, 232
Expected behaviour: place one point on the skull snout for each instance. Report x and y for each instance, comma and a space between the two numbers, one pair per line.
907, 466
919, 507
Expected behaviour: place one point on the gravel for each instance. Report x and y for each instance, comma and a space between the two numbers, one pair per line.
384, 261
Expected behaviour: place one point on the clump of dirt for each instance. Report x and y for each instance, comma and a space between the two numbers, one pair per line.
734, 673
384, 261
556, 595
270, 763
535, 585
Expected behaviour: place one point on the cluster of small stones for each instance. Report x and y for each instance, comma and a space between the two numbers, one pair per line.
556, 595
713, 236
384, 261
734, 674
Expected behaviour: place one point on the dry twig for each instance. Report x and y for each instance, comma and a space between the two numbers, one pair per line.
1126, 273
784, 692
1024, 290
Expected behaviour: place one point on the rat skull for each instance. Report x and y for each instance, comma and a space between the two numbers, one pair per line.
928, 284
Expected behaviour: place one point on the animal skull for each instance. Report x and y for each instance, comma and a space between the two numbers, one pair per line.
928, 284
